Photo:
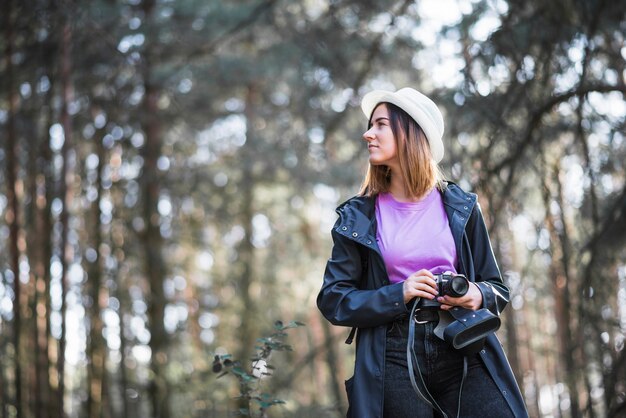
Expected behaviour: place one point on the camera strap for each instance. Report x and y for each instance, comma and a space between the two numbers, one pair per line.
411, 359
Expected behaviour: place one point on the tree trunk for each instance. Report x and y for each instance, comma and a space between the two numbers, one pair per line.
96, 348
152, 239
4, 396
191, 299
67, 179
560, 274
512, 341
117, 293
334, 369
245, 250
153, 247
45, 303
530, 361
39, 224
42, 307
12, 212
32, 225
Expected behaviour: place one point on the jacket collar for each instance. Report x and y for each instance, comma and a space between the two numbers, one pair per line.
455, 198
357, 220
362, 208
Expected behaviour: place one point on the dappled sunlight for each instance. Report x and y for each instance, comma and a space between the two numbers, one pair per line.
171, 170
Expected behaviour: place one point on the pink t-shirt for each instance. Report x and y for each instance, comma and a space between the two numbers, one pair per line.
414, 236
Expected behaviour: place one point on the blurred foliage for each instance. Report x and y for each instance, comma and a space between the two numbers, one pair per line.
170, 171
249, 381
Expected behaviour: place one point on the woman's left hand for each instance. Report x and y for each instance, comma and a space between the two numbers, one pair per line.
473, 299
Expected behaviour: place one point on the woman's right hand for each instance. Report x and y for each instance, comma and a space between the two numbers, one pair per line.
420, 284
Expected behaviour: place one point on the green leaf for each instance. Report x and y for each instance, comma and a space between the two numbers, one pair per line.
242, 374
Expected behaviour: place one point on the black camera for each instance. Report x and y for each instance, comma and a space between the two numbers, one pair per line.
453, 285
464, 329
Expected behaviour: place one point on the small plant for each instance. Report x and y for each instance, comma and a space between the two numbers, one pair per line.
250, 381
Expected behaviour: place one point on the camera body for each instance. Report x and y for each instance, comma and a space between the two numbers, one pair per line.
464, 329
448, 284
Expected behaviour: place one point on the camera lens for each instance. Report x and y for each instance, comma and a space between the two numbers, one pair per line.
458, 286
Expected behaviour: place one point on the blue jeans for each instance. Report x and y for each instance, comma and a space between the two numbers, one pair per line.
442, 369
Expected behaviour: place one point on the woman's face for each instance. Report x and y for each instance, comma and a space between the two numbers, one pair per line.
381, 142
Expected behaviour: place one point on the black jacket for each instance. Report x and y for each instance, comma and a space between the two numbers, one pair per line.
357, 293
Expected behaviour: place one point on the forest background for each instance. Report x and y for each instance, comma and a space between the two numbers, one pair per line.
170, 169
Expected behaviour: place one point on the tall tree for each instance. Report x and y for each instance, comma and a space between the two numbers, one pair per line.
12, 216
96, 346
152, 239
66, 193
41, 247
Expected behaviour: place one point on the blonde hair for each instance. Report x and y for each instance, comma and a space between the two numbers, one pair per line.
420, 171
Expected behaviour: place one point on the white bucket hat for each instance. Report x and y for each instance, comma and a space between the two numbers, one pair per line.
423, 110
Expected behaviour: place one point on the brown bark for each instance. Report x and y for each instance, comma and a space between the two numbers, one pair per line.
40, 248
152, 239
32, 223
513, 346
44, 304
153, 244
96, 347
191, 299
529, 356
4, 396
506, 258
115, 292
245, 250
67, 180
12, 216
335, 375
561, 281
28, 329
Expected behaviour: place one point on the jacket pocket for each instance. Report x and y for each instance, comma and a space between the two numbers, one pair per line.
349, 384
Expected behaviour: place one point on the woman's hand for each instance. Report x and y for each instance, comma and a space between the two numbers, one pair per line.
473, 299
420, 284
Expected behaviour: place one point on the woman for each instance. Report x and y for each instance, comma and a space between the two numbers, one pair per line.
406, 226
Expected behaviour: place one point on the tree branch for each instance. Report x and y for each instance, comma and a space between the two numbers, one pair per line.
535, 120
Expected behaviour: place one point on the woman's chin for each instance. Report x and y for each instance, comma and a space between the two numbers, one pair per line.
375, 161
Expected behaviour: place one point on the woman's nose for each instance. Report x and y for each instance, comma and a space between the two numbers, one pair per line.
367, 135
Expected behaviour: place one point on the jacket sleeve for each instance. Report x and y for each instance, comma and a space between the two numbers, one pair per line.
341, 299
486, 272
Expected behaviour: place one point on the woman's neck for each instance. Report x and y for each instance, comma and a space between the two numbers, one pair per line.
398, 190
